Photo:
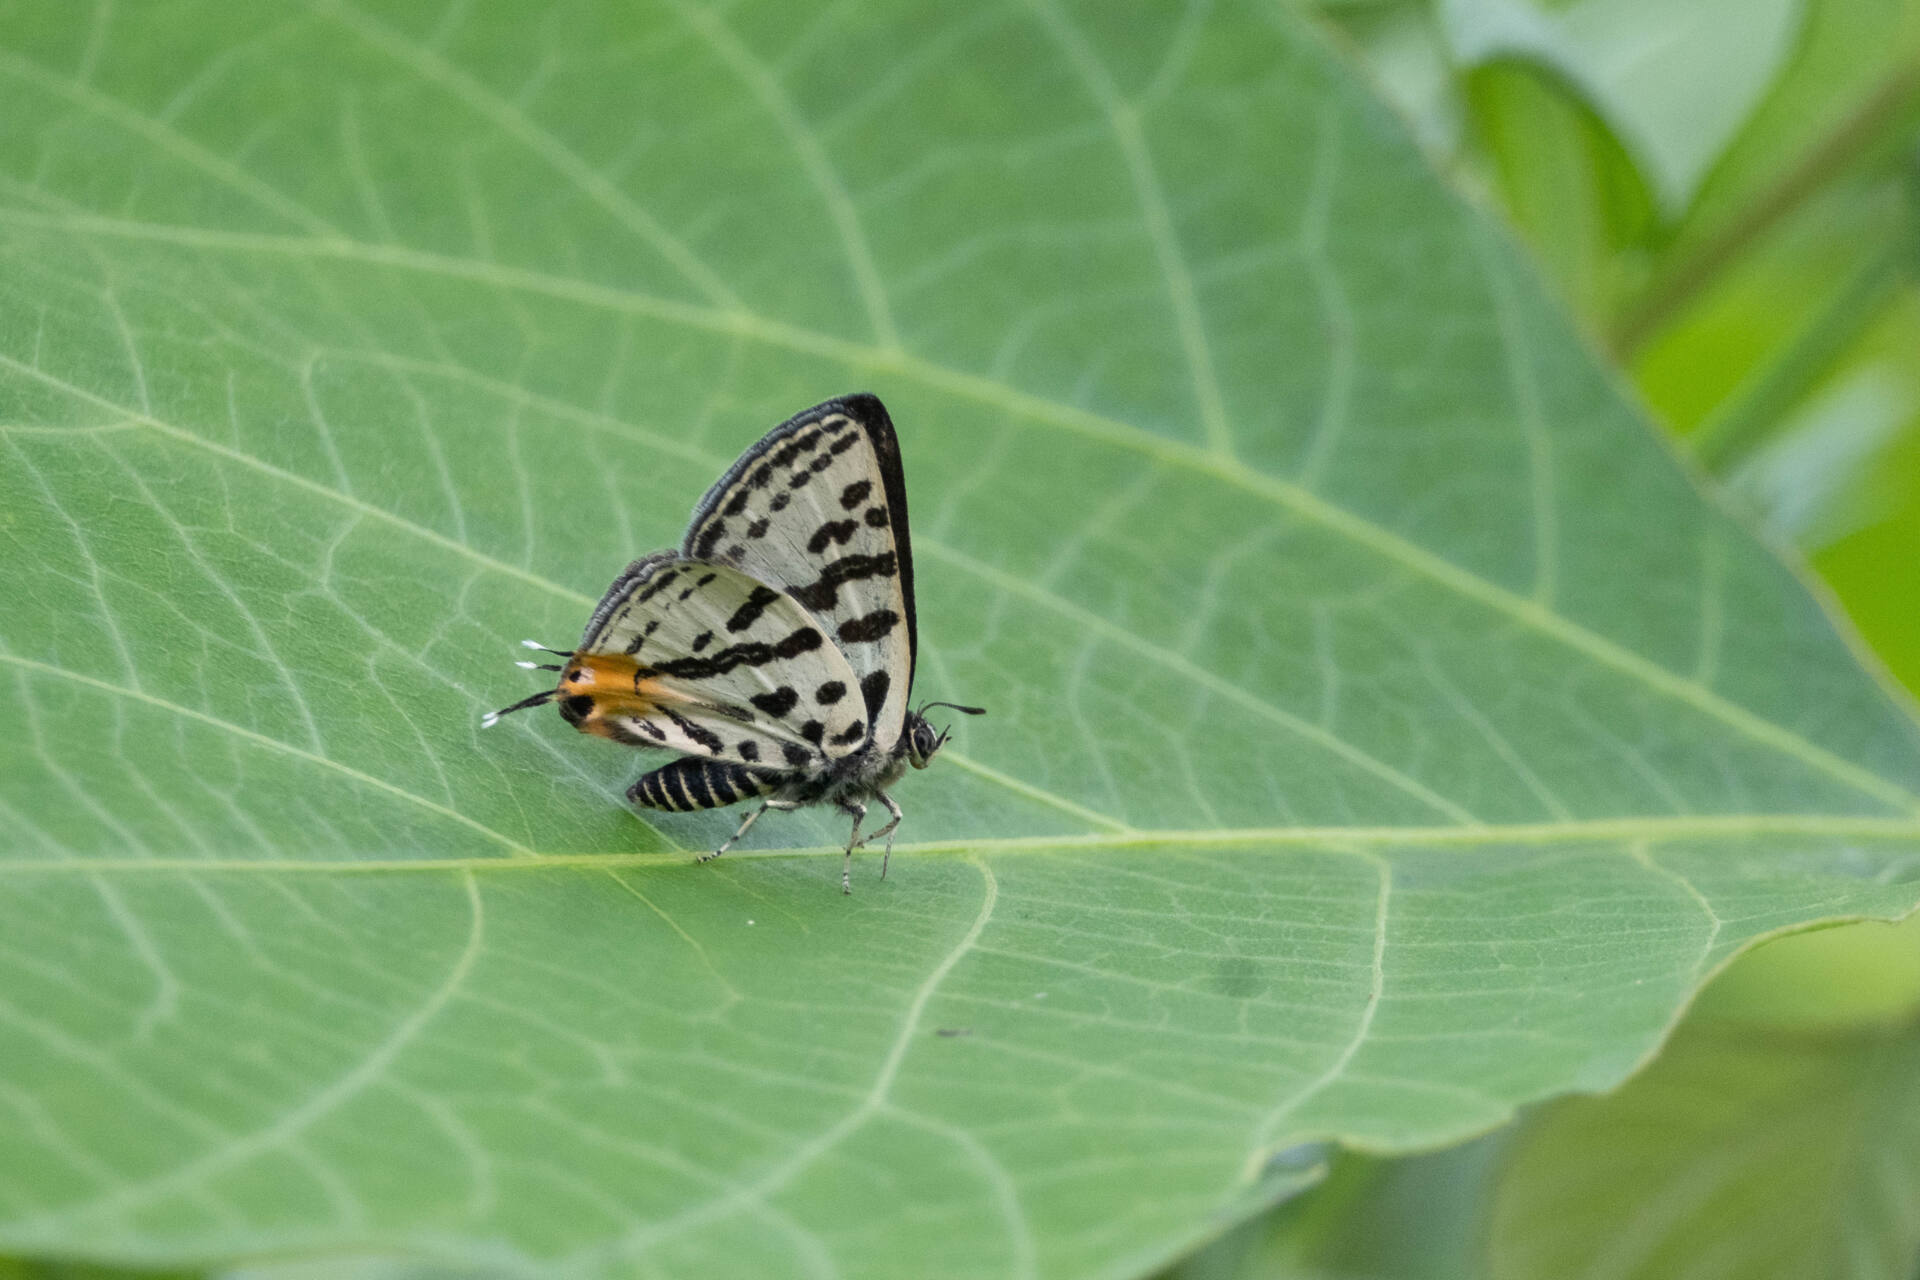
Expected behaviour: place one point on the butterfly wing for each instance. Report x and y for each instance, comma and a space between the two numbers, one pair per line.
819, 508
702, 658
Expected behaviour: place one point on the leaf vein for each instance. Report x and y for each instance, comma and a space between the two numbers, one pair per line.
281, 1133
596, 186
260, 739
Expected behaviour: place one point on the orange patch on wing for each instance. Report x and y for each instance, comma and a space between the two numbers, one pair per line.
617, 686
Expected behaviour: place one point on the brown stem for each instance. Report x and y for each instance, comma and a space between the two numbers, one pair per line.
1700, 268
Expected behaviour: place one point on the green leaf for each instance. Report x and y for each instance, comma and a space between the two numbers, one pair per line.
1384, 731
1808, 1141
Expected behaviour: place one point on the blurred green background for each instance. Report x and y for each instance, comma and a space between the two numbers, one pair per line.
1726, 194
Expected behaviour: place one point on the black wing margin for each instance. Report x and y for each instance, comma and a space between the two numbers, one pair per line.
827, 543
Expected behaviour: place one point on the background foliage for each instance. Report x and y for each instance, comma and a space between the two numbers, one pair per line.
1386, 732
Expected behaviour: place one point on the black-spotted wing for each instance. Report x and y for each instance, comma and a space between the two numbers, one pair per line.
701, 657
818, 508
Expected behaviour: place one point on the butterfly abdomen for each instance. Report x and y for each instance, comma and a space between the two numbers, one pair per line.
697, 782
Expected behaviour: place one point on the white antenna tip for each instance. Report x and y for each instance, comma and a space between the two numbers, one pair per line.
530, 666
490, 719
531, 644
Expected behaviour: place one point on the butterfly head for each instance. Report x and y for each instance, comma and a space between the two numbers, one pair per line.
923, 740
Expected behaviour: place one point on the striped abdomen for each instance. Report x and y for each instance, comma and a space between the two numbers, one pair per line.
696, 782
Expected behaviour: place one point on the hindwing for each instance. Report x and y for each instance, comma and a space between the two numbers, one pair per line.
700, 657
818, 508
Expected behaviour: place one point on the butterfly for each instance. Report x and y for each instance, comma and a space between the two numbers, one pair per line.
775, 649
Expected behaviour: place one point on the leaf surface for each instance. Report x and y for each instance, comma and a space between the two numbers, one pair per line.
1384, 731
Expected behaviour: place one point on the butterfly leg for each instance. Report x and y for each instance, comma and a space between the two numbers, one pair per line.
887, 831
859, 811
750, 820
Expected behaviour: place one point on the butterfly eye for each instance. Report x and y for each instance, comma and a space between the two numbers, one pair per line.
922, 744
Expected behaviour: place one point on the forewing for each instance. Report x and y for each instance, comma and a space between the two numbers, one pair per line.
700, 657
819, 508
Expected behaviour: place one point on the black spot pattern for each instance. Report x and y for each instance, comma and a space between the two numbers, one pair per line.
754, 654
780, 501
651, 627
873, 691
820, 595
758, 529
796, 754
658, 585
813, 731
800, 444
854, 733
830, 533
855, 494
576, 708
701, 641
623, 731
751, 608
829, 693
707, 738
876, 517
777, 703
709, 538
868, 627
748, 749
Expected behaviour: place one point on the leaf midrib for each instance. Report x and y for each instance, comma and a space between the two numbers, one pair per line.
1634, 835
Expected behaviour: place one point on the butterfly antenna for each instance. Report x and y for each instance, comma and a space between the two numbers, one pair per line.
493, 717
535, 644
967, 711
540, 666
